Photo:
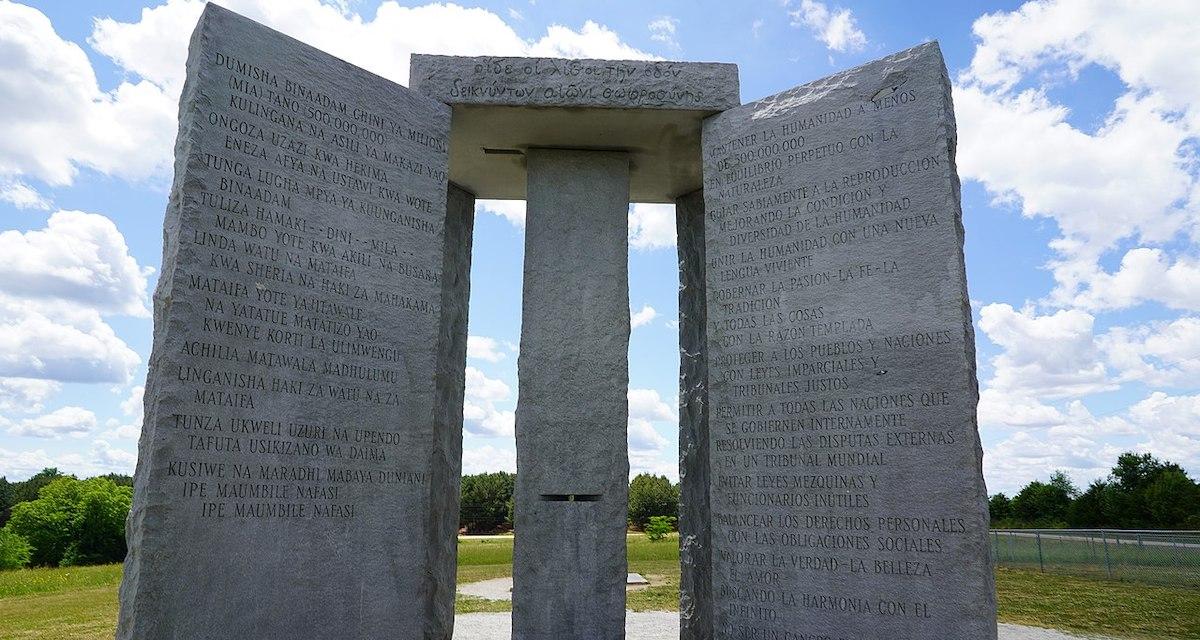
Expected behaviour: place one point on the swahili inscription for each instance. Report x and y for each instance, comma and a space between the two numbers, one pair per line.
846, 493
290, 291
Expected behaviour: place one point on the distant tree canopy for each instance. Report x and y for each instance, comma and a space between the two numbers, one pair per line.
12, 493
486, 502
649, 496
73, 522
1142, 492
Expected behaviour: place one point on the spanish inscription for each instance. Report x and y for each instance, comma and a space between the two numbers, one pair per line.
291, 395
846, 494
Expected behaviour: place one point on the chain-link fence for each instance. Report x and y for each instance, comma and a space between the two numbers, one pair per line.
1160, 557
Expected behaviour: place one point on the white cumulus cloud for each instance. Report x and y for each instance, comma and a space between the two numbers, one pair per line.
662, 29
26, 395
63, 342
511, 210
56, 284
480, 414
488, 458
484, 348
23, 196
646, 407
1133, 178
57, 119
642, 316
651, 226
836, 27
66, 421
1050, 356
78, 257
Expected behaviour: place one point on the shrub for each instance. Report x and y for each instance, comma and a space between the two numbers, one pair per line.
659, 526
14, 550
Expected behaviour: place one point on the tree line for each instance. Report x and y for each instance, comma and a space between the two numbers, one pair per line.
1141, 492
487, 501
54, 519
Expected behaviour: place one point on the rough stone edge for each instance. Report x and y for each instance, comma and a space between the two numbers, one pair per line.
695, 532
441, 546
187, 165
949, 135
419, 82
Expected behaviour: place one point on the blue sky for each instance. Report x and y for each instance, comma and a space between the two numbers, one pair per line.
1079, 131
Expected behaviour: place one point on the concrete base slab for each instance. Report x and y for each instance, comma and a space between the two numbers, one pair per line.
664, 625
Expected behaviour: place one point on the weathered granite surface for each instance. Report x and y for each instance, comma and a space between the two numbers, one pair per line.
298, 465
446, 454
558, 82
847, 495
695, 526
569, 564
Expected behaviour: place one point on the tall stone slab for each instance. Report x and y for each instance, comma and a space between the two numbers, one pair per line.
847, 495
298, 466
572, 490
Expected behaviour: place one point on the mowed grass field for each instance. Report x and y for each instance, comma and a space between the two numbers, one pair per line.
80, 603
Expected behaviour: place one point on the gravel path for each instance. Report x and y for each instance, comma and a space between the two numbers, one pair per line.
663, 625
501, 588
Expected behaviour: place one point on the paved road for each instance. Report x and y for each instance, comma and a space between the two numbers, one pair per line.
1122, 540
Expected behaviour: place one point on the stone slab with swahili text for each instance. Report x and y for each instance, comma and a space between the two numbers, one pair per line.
298, 472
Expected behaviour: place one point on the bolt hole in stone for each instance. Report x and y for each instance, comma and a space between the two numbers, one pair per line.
570, 497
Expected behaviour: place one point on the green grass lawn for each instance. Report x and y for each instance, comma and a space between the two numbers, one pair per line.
80, 603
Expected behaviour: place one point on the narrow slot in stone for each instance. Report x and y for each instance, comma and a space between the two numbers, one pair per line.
570, 497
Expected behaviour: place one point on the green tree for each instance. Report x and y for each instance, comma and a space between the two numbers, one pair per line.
1042, 504
485, 498
1135, 472
28, 490
1144, 492
651, 495
1172, 499
119, 479
99, 523
7, 495
14, 550
74, 522
1091, 508
1000, 509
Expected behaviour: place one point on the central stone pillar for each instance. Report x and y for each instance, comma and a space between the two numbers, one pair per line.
572, 459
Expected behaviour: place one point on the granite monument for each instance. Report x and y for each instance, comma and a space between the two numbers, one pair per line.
299, 465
